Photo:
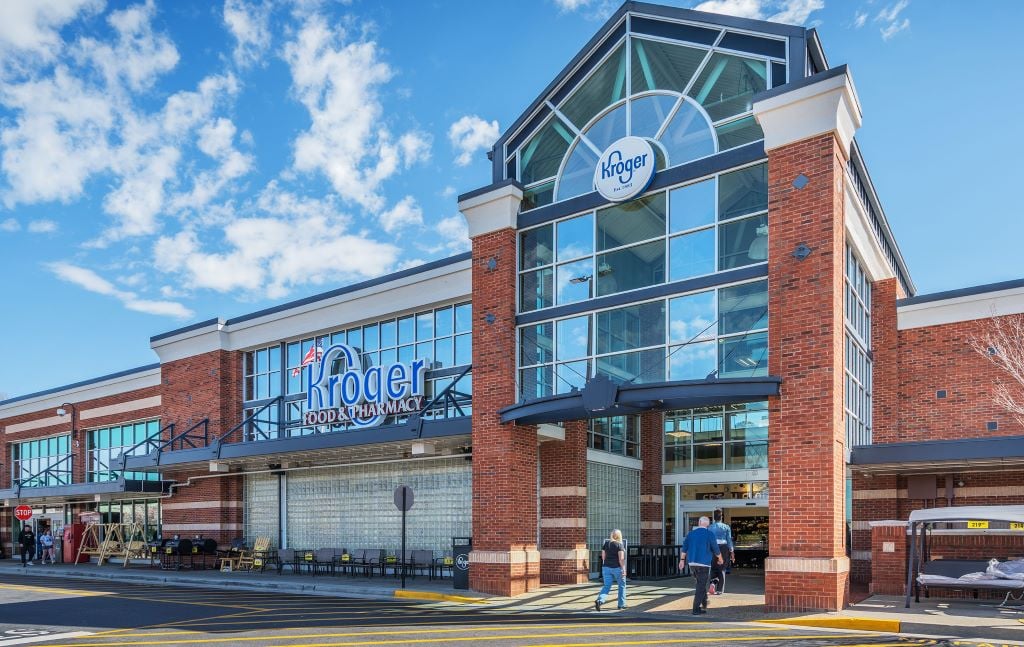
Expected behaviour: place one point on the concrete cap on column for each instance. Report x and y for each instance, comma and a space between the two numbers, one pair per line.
492, 207
822, 103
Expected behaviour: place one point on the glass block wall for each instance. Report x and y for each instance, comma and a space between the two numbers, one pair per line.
351, 507
262, 508
613, 501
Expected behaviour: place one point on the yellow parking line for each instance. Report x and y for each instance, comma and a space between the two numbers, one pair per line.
671, 641
674, 629
193, 603
52, 590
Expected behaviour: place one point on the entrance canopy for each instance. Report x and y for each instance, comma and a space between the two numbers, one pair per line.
1006, 452
602, 397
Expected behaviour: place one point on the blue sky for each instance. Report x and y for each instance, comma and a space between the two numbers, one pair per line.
167, 162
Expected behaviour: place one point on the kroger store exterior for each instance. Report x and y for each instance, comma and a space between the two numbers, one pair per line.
727, 322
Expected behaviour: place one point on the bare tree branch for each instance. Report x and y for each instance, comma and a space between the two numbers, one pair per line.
1003, 345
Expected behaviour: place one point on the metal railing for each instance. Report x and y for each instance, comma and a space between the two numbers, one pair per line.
43, 478
442, 405
646, 561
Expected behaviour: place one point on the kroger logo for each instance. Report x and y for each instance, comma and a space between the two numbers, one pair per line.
625, 169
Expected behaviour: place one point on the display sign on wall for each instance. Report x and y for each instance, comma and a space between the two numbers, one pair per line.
363, 398
625, 169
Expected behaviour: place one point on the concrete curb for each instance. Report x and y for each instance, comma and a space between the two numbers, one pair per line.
438, 597
859, 624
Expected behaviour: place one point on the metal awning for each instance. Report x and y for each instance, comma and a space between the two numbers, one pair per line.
106, 491
601, 397
324, 447
999, 453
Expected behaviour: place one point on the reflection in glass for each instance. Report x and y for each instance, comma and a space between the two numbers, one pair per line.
631, 268
577, 176
743, 242
742, 192
535, 246
535, 382
649, 113
575, 237
728, 83
540, 158
463, 317
443, 323
743, 307
638, 367
692, 206
743, 356
688, 136
571, 376
739, 132
631, 222
631, 327
535, 344
573, 337
694, 361
604, 87
692, 317
663, 66
536, 290
692, 254
575, 281
463, 350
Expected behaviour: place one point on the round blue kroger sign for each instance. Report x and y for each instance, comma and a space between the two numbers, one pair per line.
625, 169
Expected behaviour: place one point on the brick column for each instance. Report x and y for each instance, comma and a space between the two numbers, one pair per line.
504, 559
888, 558
885, 366
651, 491
204, 386
564, 558
808, 131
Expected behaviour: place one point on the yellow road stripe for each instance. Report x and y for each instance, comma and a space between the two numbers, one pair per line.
356, 634
47, 589
193, 603
860, 624
671, 641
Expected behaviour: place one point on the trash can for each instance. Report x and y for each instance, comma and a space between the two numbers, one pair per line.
460, 554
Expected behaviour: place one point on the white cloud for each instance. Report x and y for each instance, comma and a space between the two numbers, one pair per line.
137, 57
859, 19
455, 233
890, 19
31, 29
249, 24
784, 11
338, 78
42, 227
10, 225
89, 280
404, 214
448, 192
216, 140
471, 134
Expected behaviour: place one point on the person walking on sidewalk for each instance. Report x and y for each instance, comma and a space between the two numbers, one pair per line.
46, 541
27, 541
723, 535
700, 548
613, 569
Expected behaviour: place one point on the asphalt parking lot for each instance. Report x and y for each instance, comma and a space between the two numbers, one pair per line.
44, 611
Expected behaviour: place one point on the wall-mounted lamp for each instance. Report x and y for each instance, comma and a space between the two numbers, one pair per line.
64, 410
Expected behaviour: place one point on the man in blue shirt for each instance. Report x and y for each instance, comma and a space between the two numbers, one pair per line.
701, 549
723, 535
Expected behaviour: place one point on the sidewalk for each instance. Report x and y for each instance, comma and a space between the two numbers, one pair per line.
660, 601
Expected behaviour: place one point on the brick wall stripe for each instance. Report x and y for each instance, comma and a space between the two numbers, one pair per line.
807, 564
650, 525
51, 421
579, 553
210, 527
878, 494
121, 407
651, 498
564, 522
563, 491
197, 505
503, 556
860, 555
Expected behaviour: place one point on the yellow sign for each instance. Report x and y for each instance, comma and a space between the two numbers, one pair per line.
1016, 526
308, 557
977, 524
346, 557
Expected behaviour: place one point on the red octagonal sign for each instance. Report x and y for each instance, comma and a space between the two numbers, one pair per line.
23, 513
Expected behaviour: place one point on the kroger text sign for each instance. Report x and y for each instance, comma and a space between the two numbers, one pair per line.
625, 169
363, 398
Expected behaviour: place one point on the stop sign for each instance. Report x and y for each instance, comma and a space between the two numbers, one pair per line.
23, 513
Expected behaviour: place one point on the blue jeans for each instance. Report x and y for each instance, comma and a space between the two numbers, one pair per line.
613, 575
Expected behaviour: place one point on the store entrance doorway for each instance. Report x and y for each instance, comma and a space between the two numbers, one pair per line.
748, 520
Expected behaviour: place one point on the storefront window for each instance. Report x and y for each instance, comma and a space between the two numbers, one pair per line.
110, 443
733, 437
616, 435
857, 358
694, 230
44, 462
695, 336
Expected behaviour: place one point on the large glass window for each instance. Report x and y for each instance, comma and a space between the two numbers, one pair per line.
719, 332
441, 335
44, 462
714, 225
110, 443
616, 435
689, 100
733, 437
857, 358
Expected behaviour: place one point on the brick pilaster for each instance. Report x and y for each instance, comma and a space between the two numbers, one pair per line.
651, 491
808, 567
885, 366
564, 558
504, 559
889, 558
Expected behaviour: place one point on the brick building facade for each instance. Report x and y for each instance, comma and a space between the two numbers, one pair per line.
740, 333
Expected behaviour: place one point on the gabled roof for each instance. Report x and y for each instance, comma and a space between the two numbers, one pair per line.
615, 27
